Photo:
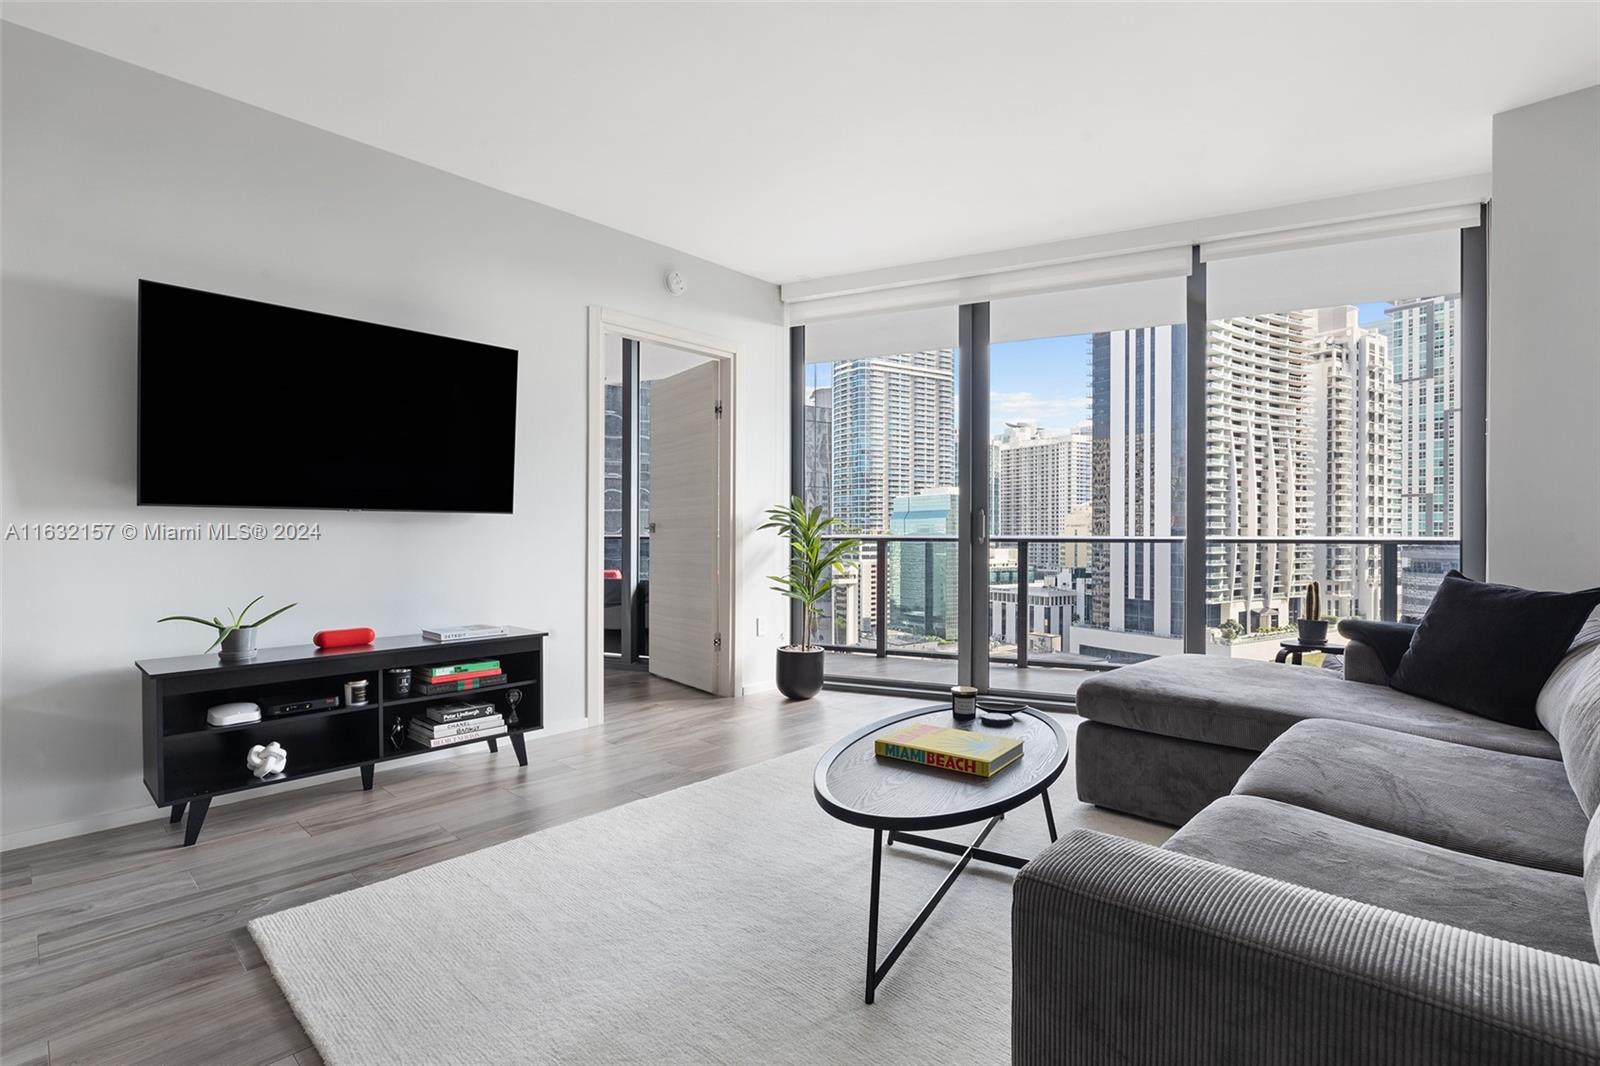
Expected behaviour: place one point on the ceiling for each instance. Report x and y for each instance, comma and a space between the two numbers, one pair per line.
792, 141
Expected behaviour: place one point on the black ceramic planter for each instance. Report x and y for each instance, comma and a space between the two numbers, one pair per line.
799, 672
1313, 632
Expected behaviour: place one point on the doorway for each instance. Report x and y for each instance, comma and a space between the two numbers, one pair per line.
661, 466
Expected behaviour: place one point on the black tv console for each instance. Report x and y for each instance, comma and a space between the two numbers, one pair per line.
188, 762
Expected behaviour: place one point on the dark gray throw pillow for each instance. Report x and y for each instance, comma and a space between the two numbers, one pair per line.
1489, 649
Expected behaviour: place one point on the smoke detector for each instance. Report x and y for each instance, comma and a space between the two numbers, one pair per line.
677, 284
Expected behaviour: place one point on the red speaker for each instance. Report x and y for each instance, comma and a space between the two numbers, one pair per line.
343, 638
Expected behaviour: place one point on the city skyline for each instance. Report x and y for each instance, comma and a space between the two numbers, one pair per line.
1046, 379
1316, 426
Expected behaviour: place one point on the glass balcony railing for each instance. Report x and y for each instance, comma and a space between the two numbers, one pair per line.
1096, 602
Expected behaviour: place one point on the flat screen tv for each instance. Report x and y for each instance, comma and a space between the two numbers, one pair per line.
249, 404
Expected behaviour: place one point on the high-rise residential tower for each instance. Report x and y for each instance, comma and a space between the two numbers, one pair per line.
1349, 395
1040, 476
1258, 470
1424, 348
894, 432
1424, 351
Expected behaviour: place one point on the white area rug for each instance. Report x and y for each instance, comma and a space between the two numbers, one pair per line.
722, 922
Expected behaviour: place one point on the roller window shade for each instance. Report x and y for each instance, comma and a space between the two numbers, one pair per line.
1314, 268
864, 336
1157, 302
952, 292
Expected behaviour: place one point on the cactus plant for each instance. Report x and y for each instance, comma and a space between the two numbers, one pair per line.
1313, 609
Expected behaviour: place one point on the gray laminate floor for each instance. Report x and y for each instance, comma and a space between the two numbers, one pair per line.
123, 947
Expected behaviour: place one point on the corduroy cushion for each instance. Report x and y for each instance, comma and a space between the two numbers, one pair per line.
1591, 877
1540, 908
1569, 707
1488, 649
1514, 808
1241, 703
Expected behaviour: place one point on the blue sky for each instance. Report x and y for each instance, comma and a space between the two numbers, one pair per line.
1046, 380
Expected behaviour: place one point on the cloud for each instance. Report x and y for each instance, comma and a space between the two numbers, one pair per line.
1055, 411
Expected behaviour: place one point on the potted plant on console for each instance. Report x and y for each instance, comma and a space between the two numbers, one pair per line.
812, 566
237, 637
1313, 627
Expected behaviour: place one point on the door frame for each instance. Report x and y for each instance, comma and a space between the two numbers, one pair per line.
604, 323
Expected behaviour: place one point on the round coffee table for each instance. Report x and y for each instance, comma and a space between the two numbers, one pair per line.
1295, 649
897, 798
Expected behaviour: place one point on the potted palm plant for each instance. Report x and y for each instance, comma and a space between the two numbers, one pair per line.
1313, 627
813, 562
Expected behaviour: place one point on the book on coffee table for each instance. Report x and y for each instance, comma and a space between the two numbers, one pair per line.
961, 750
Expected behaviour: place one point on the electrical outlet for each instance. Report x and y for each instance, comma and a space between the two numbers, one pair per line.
761, 626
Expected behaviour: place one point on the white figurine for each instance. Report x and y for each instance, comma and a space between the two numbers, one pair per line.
268, 760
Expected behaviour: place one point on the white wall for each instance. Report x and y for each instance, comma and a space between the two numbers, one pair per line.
1544, 345
112, 173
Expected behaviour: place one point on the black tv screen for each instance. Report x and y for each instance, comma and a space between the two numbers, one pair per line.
249, 404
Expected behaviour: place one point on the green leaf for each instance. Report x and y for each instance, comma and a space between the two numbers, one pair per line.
247, 607
268, 618
188, 618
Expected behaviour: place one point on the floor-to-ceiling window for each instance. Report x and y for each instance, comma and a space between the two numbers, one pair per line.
1159, 454
1087, 409
879, 437
1333, 434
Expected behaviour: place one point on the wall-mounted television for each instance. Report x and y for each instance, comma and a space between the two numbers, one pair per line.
249, 404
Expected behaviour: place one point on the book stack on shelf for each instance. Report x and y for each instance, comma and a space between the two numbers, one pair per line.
458, 677
453, 723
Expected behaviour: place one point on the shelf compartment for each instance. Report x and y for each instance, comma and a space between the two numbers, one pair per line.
186, 714
530, 713
213, 763
466, 695
266, 723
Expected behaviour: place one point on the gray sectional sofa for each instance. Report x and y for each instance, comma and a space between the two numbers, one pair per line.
1361, 876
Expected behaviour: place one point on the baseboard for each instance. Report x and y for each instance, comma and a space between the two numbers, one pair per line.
96, 823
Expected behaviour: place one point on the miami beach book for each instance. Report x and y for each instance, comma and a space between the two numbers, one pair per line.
961, 750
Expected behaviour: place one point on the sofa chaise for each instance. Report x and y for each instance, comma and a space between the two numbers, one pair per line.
1361, 876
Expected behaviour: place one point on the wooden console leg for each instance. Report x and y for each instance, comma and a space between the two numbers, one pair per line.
494, 745
366, 776
177, 813
197, 818
521, 748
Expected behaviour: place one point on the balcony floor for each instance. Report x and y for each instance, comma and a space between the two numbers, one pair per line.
1003, 677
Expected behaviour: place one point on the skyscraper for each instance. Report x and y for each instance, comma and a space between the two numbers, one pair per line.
1424, 349
1040, 476
922, 580
1258, 470
894, 432
1349, 385
817, 444
838, 615
1137, 460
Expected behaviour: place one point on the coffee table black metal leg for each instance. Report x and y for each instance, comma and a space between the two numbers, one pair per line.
875, 972
1049, 815
872, 915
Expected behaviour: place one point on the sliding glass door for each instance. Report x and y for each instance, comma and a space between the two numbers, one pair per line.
880, 442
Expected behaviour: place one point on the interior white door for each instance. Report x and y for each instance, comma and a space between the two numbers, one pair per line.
685, 526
